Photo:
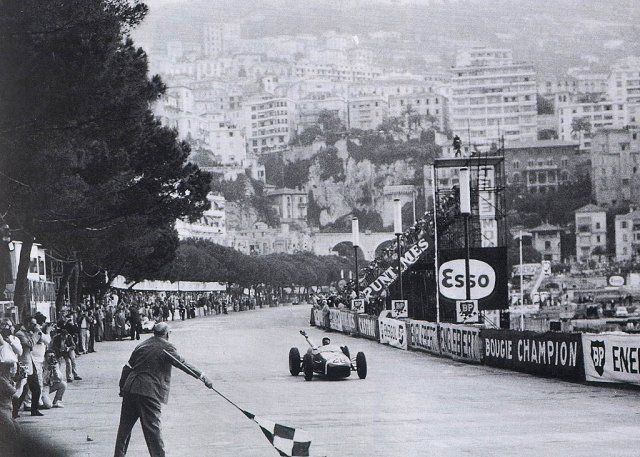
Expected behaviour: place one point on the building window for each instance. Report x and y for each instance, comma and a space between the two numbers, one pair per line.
547, 245
597, 225
624, 224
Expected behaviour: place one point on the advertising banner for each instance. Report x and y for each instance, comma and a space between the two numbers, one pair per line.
488, 277
348, 321
461, 342
389, 276
368, 326
334, 319
547, 354
393, 332
467, 311
357, 305
317, 318
423, 335
399, 308
612, 357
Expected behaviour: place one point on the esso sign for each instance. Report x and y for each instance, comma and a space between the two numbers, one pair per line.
616, 281
451, 277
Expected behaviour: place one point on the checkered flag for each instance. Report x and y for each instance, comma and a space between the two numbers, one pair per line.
288, 441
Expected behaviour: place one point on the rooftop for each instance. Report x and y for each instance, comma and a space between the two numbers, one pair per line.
590, 208
546, 227
542, 144
635, 214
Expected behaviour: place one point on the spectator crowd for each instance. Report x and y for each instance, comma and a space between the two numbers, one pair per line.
38, 358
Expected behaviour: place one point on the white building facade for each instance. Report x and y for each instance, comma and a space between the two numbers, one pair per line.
491, 97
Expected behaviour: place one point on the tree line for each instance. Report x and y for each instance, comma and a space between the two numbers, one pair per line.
86, 168
202, 260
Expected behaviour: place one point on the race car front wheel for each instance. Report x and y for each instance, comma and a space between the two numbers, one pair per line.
307, 367
361, 365
294, 362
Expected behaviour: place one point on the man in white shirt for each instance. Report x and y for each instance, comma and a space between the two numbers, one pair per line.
42, 340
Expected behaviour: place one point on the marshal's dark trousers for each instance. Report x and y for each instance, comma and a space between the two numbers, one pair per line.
34, 386
146, 409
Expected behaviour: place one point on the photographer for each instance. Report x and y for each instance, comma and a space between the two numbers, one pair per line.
6, 331
28, 338
42, 340
70, 354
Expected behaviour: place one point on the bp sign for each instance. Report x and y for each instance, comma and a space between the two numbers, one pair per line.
487, 277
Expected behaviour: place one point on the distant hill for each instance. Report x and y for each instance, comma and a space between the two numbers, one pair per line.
553, 34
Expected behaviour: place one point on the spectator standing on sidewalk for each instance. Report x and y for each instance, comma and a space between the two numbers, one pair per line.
83, 323
135, 322
99, 323
92, 331
144, 387
70, 352
28, 338
39, 349
120, 322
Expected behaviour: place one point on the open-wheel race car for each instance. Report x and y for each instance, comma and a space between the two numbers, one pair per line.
329, 360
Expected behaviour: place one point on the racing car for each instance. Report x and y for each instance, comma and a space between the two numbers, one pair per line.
329, 360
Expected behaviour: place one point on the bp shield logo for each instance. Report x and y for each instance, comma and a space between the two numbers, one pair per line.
598, 355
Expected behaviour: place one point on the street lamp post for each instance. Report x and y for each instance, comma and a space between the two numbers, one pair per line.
465, 210
355, 233
397, 228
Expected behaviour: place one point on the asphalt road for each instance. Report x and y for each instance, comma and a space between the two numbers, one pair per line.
411, 404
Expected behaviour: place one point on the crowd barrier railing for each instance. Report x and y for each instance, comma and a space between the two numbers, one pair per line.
601, 358
611, 358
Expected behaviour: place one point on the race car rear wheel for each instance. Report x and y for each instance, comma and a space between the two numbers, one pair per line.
361, 365
294, 362
307, 367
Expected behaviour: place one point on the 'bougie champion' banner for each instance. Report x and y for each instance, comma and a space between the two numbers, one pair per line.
391, 274
548, 354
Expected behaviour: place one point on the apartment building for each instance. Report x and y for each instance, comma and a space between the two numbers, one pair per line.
268, 123
591, 232
220, 38
211, 226
547, 240
627, 227
615, 167
624, 88
426, 105
366, 113
309, 108
492, 97
603, 114
541, 166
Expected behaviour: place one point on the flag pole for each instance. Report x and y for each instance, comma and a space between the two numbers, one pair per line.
192, 373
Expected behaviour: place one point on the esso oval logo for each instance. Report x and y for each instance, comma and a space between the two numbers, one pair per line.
451, 277
616, 281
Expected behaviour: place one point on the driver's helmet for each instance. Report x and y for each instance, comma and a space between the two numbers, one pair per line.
326, 341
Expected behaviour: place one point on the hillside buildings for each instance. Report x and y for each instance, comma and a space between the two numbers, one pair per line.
547, 240
541, 166
627, 227
211, 226
591, 232
492, 97
615, 167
